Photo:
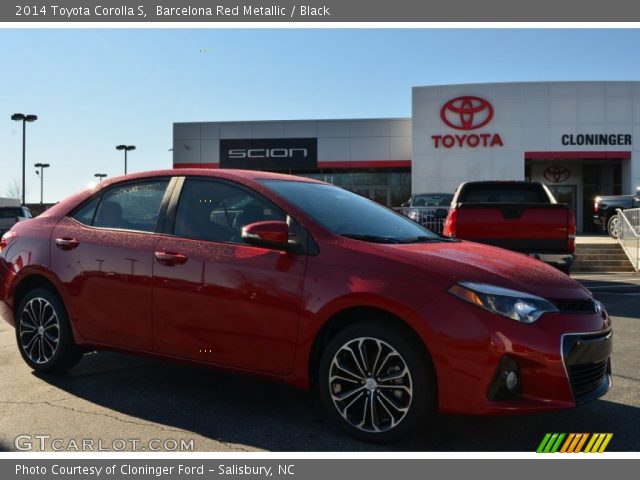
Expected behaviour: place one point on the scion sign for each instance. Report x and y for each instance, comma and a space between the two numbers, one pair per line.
269, 153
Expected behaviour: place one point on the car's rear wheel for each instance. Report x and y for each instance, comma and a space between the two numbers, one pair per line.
376, 382
613, 226
43, 333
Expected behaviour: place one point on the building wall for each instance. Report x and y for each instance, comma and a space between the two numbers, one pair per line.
341, 143
529, 117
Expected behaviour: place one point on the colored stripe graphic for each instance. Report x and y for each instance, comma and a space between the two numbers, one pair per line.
550, 443
556, 445
592, 440
605, 443
567, 443
543, 443
579, 439
574, 442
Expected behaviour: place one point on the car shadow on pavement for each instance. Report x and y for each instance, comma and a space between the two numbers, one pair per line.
269, 416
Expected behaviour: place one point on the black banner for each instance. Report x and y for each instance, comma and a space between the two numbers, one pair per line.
71, 11
269, 153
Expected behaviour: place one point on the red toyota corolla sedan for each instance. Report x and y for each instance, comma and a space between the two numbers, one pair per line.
305, 283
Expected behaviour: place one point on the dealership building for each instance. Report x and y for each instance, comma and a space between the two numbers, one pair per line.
576, 137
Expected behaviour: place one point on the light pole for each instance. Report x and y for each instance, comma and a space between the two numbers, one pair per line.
100, 176
24, 118
41, 166
126, 148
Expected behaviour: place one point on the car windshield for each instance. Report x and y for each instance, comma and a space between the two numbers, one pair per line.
350, 215
432, 200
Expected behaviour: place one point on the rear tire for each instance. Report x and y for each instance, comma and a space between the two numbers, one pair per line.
613, 226
43, 333
375, 382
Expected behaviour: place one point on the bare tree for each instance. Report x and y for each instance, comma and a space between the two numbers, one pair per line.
14, 190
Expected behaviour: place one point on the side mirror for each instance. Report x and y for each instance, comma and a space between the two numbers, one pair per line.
267, 234
405, 204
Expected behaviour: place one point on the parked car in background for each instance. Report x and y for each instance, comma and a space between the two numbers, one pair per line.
428, 209
519, 216
11, 212
604, 210
306, 283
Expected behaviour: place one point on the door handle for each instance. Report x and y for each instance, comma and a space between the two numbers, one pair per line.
171, 259
66, 243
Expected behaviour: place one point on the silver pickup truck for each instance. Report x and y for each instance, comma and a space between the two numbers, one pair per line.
428, 209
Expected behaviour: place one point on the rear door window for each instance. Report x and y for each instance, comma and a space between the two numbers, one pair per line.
133, 206
86, 212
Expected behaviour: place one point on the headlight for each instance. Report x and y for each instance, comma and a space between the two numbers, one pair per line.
520, 306
599, 308
414, 214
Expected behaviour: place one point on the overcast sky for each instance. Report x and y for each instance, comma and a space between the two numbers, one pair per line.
95, 88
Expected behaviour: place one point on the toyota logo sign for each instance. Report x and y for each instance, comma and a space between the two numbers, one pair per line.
466, 113
556, 174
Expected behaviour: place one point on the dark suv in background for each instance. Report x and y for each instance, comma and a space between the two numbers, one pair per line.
604, 210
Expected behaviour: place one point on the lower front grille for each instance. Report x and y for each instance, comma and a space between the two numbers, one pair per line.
587, 377
586, 358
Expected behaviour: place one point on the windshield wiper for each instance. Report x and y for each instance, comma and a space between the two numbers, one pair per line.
371, 238
421, 239
383, 239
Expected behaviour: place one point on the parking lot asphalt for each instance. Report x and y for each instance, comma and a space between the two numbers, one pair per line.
132, 402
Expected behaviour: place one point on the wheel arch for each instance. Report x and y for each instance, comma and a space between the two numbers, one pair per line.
354, 314
30, 279
29, 282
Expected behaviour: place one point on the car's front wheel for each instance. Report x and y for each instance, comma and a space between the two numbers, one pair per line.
43, 333
376, 382
613, 226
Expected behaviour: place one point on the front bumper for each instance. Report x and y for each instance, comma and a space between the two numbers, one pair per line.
557, 260
598, 221
555, 372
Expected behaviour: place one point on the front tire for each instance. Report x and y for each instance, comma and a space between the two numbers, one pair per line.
376, 382
43, 333
613, 226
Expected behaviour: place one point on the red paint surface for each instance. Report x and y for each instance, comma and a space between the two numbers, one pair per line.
260, 310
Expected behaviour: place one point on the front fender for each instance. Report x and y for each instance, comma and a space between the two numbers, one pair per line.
331, 289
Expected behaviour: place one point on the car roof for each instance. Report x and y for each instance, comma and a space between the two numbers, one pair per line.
242, 176
230, 174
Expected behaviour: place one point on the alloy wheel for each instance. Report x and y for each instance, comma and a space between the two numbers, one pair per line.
614, 227
39, 330
370, 385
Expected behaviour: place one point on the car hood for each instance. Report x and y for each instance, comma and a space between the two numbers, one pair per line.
469, 261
